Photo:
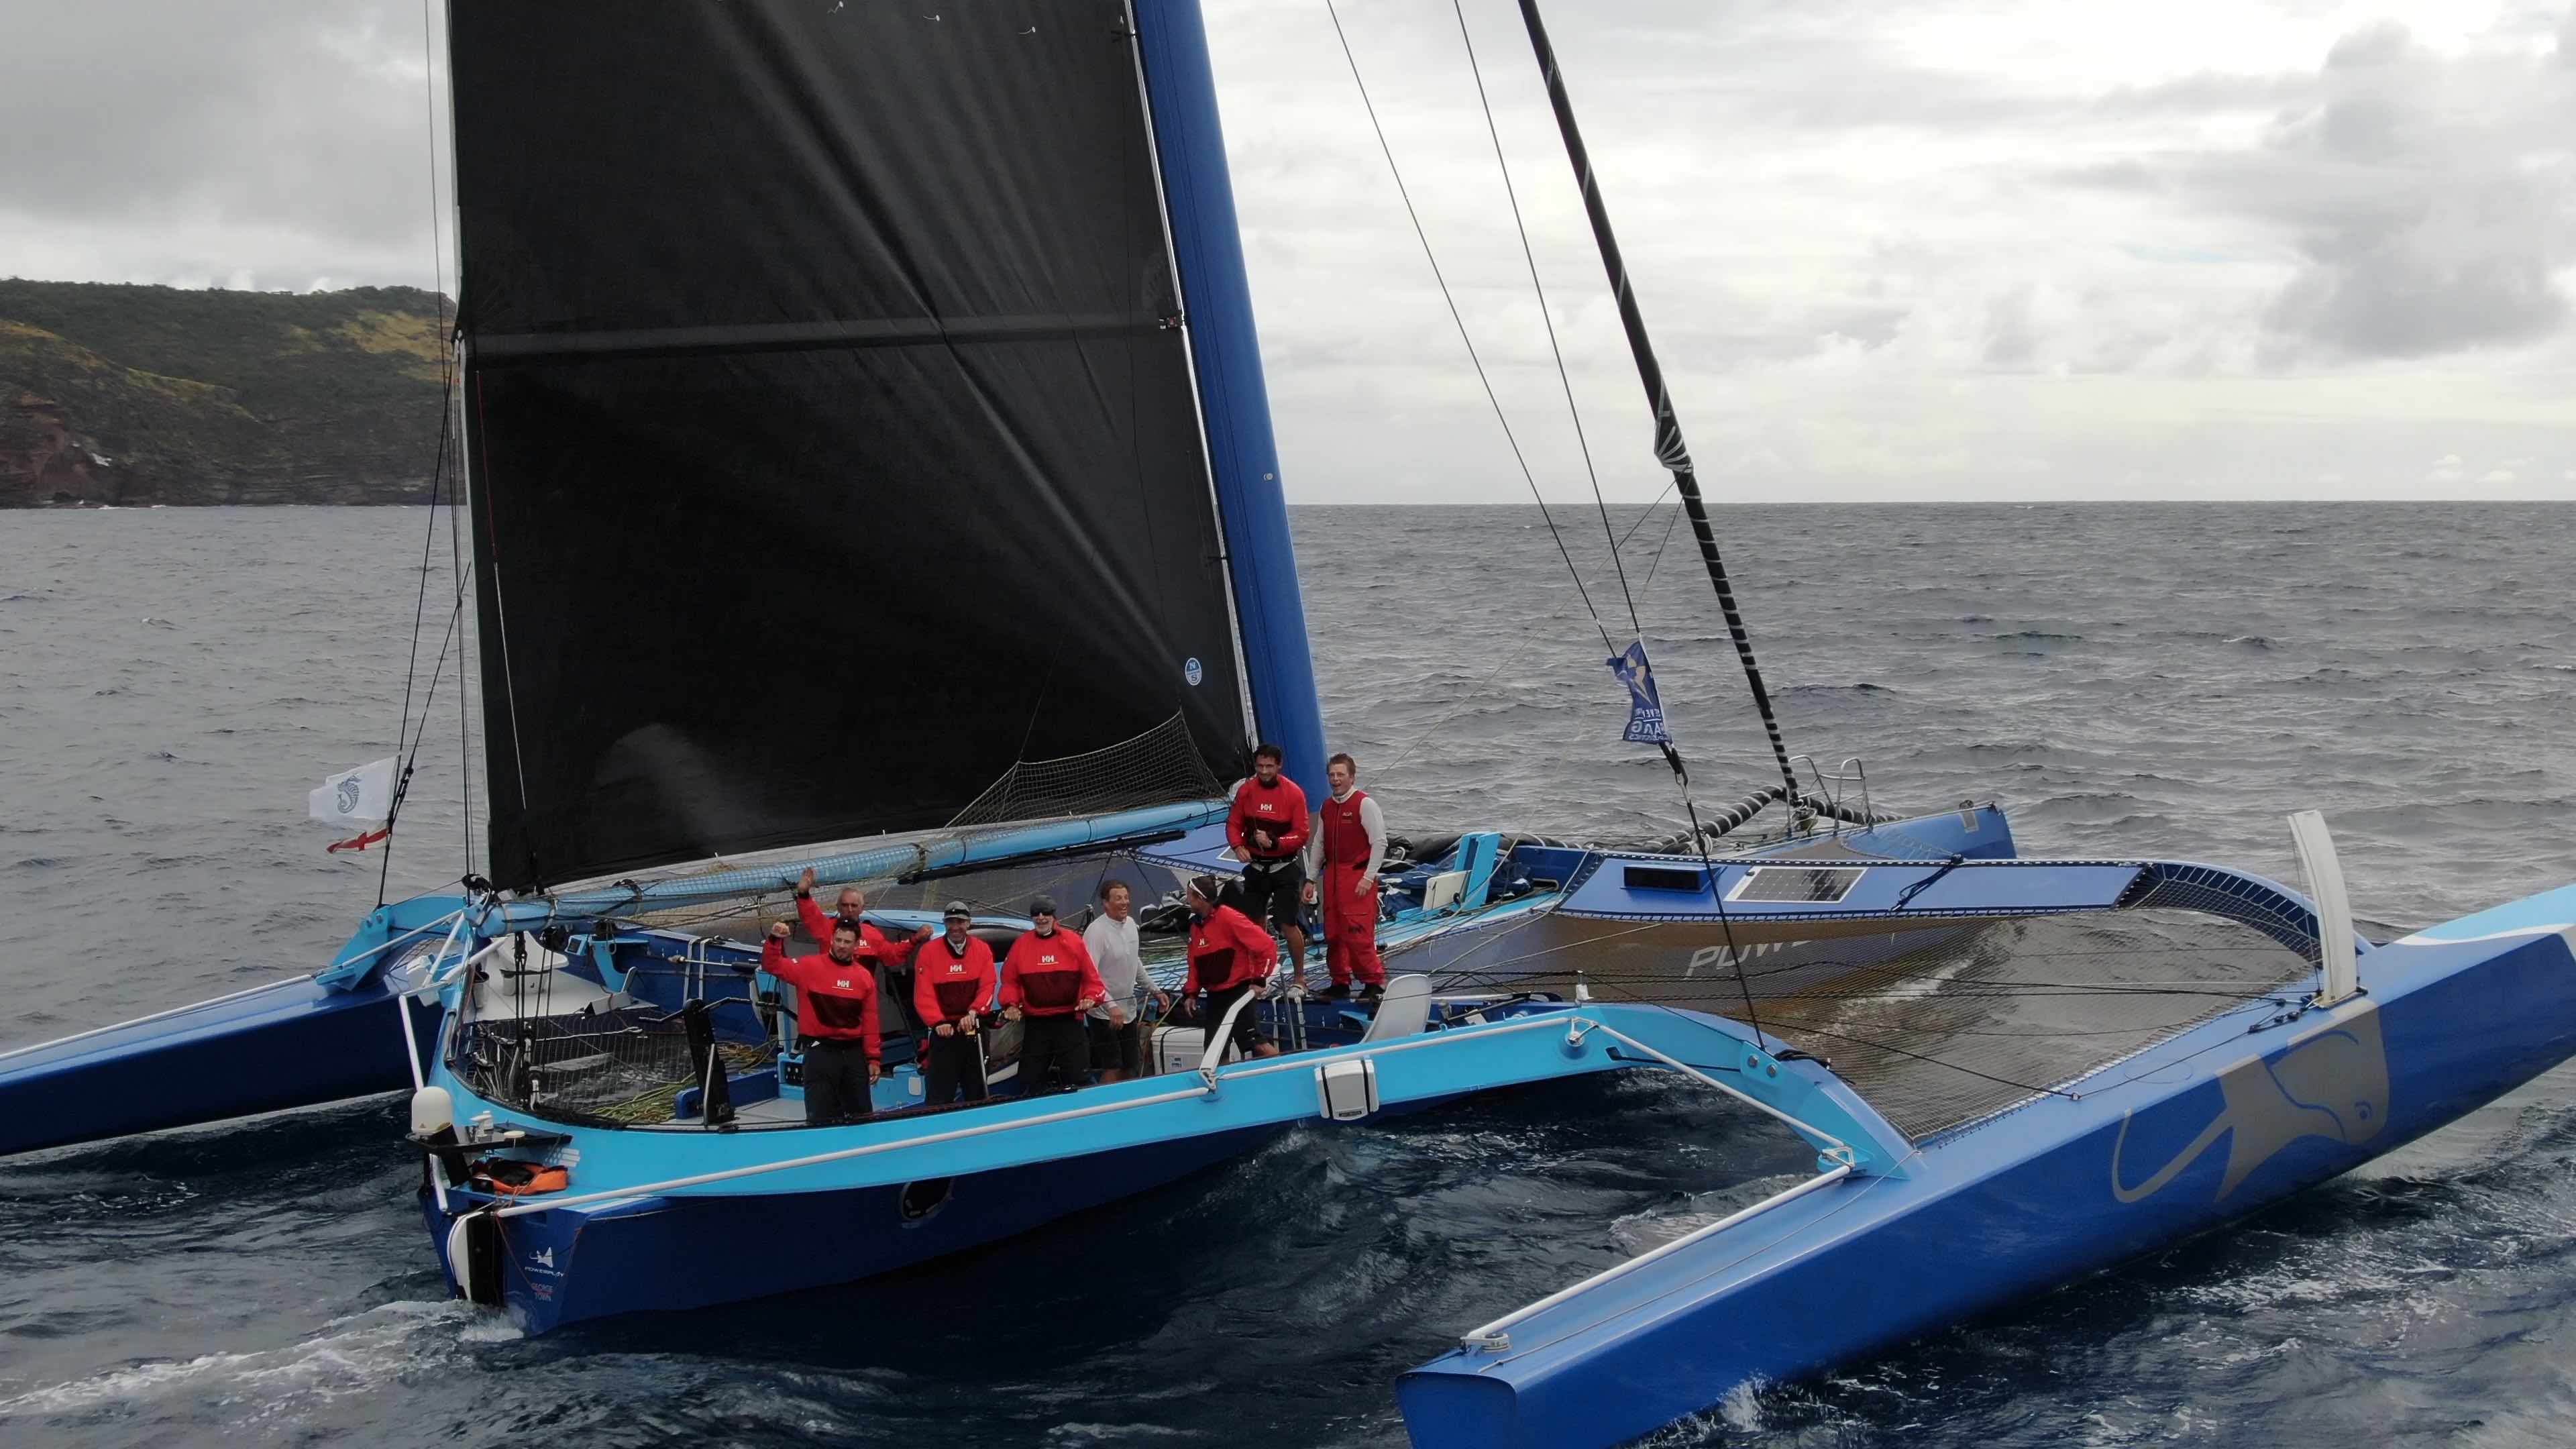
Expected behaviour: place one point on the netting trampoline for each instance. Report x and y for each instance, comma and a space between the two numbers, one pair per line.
1946, 1023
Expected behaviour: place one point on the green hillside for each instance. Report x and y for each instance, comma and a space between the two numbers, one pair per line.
137, 395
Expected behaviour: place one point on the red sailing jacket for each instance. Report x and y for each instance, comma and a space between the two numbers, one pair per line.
834, 1002
872, 942
946, 985
1280, 809
1226, 950
1050, 975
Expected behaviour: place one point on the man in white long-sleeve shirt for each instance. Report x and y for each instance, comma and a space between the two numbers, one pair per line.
1118, 1046
1341, 865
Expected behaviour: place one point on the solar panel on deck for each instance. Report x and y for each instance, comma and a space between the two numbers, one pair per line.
1799, 885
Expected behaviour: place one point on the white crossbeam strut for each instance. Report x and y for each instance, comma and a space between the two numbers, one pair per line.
2337, 949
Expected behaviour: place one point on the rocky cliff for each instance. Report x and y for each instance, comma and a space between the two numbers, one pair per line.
139, 395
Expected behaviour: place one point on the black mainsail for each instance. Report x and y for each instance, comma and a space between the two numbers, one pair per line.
830, 425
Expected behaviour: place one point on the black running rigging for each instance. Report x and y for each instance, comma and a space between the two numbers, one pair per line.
1669, 449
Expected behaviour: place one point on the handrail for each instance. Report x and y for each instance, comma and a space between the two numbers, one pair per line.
1213, 1052
817, 1159
437, 978
419, 930
987, 1129
402, 1010
344, 972
1495, 1338
1578, 1026
1853, 768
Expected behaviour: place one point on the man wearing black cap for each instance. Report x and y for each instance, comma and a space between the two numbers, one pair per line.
1049, 981
953, 983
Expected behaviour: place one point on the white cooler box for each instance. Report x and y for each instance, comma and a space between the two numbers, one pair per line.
1177, 1048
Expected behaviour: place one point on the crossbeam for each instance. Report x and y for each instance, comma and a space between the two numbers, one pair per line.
1495, 1337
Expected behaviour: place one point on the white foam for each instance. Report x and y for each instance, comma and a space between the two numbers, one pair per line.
346, 1356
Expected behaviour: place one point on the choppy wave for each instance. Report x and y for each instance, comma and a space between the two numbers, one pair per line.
2119, 677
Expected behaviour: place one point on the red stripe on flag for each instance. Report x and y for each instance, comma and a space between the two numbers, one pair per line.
361, 843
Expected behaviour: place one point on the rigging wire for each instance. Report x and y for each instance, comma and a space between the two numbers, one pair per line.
1681, 777
1658, 561
1531, 646
1565, 381
1669, 447
1464, 336
438, 465
1645, 515
1555, 349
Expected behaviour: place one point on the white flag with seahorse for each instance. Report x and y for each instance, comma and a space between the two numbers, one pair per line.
363, 796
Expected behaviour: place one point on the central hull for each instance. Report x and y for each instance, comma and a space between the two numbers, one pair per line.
674, 1252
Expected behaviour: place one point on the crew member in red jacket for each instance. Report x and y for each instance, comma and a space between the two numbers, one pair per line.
1049, 981
1348, 849
836, 1006
891, 961
953, 979
1230, 958
1267, 829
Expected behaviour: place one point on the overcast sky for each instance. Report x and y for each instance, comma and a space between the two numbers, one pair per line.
1888, 250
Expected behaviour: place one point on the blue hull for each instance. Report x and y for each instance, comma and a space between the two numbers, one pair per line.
663, 1252
2203, 1130
293, 1044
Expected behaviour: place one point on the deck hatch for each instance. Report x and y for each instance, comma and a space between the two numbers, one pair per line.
1665, 878
1797, 884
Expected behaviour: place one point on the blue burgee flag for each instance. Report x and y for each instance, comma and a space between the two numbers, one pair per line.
1645, 706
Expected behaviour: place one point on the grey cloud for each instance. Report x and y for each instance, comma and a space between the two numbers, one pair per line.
2204, 94
2129, 174
289, 117
2422, 222
2427, 198
2465, 271
2010, 340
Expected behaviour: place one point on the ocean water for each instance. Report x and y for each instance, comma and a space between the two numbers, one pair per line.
2125, 679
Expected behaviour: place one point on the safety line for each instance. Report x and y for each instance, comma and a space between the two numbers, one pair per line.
1563, 379
1463, 335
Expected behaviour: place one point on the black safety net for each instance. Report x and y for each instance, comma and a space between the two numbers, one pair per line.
832, 435
1940, 1025
628, 1065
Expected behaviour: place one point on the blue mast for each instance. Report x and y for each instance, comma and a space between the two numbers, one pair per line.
1180, 91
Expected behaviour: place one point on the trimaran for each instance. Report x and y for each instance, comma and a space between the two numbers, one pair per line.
867, 444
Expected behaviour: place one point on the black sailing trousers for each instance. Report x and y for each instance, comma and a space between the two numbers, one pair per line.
1055, 1054
956, 1069
1247, 1032
836, 1082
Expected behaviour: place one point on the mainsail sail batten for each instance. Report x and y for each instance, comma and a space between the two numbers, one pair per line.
828, 403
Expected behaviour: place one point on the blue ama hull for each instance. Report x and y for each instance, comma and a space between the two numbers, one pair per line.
651, 1253
289, 1045
2203, 1130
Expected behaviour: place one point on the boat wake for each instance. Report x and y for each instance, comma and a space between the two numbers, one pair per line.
351, 1355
